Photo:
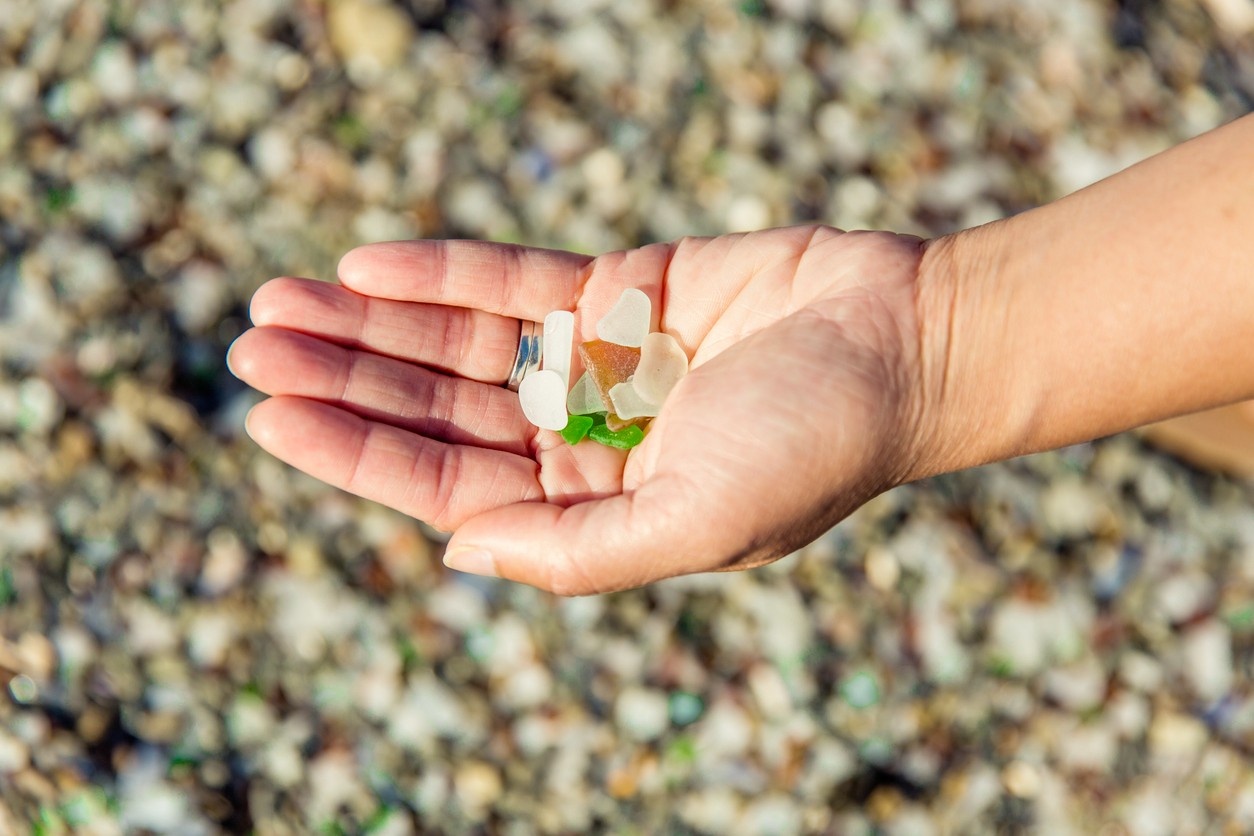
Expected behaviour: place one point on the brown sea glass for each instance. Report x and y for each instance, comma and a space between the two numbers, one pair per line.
608, 364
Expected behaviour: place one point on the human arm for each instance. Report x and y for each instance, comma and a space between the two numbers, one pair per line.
827, 367
1127, 302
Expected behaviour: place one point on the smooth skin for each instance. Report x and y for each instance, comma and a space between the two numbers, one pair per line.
827, 367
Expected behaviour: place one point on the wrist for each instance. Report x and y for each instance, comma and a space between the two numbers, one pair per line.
974, 406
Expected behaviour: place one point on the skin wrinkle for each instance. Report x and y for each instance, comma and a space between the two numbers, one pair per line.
364, 430
566, 568
442, 474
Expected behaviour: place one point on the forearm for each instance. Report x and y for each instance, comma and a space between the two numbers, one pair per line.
1124, 303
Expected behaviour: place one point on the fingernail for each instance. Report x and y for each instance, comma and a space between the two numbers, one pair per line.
248, 417
229, 352
472, 560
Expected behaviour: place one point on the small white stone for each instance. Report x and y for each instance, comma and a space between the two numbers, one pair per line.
1207, 653
543, 398
627, 323
662, 365
559, 339
584, 399
641, 713
628, 403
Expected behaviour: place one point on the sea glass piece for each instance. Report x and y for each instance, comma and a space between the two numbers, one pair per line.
616, 423
584, 399
543, 398
628, 403
559, 342
608, 364
623, 439
662, 364
577, 427
627, 322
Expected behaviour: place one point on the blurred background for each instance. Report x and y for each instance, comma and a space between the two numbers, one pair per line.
196, 639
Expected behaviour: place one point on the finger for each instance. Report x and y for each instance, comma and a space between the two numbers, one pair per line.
621, 542
463, 341
506, 279
442, 484
452, 409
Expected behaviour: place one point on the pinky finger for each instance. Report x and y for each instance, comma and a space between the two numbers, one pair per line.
439, 483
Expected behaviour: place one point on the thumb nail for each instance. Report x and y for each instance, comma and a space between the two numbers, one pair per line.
471, 559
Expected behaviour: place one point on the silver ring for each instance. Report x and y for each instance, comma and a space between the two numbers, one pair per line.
530, 347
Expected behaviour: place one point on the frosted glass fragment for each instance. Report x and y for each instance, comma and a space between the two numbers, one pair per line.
627, 322
543, 398
615, 423
577, 428
628, 403
584, 399
559, 342
608, 364
623, 439
662, 364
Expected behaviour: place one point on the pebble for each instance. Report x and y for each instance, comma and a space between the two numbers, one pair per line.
369, 36
14, 754
477, 785
1069, 508
1208, 663
642, 713
1183, 596
1077, 687
1021, 779
1091, 749
1175, 739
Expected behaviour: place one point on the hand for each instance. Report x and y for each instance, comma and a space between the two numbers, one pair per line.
804, 399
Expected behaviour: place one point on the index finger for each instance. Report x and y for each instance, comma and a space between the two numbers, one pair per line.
506, 279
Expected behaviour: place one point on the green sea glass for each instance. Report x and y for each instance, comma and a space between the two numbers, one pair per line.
623, 439
577, 427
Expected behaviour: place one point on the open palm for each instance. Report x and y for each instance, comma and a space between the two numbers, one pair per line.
803, 400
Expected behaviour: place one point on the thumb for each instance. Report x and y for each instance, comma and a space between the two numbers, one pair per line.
603, 545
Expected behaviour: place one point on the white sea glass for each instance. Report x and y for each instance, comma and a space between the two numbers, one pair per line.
543, 398
662, 364
628, 403
584, 399
559, 342
627, 322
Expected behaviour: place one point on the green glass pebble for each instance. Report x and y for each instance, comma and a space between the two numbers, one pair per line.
623, 439
577, 427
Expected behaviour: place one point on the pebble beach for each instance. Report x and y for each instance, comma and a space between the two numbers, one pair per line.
197, 639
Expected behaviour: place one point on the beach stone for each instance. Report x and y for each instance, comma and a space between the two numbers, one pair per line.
770, 815
627, 323
1184, 595
1176, 739
477, 785
542, 395
1090, 748
642, 713
14, 753
1077, 687
1206, 651
711, 810
369, 36
1129, 713
1070, 508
